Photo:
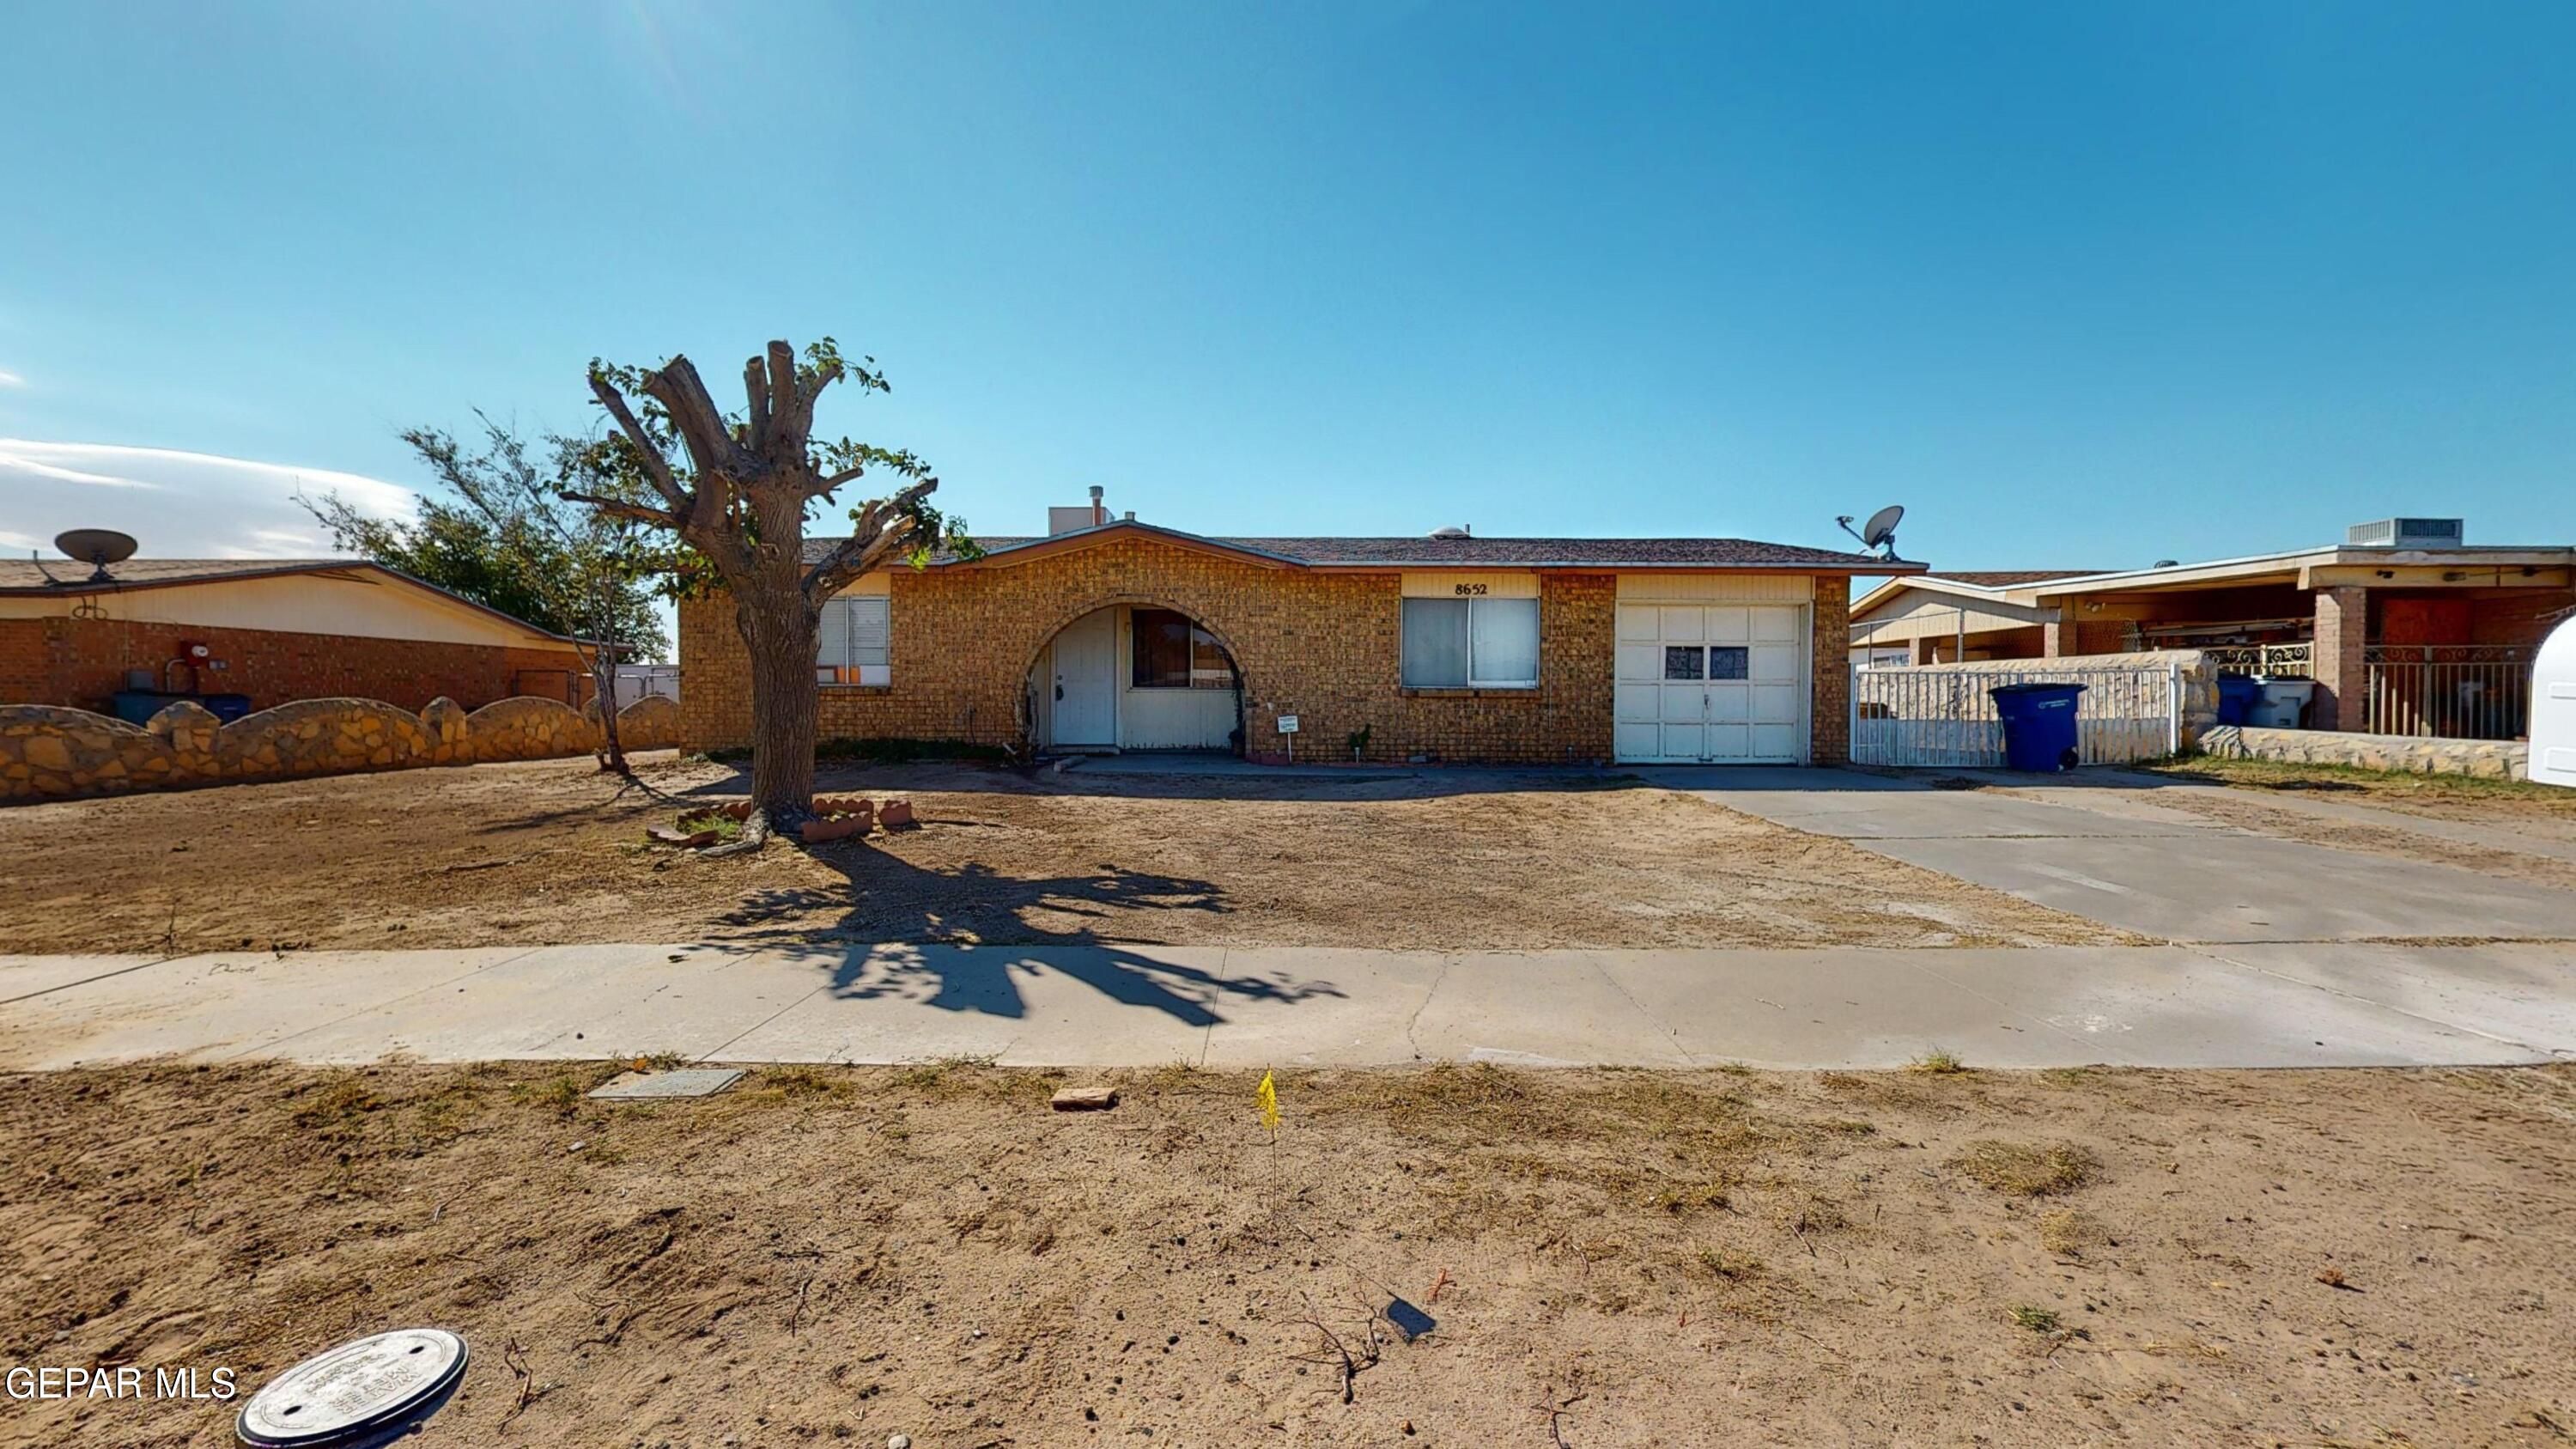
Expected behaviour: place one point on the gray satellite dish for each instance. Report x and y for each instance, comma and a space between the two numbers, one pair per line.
1880, 532
97, 547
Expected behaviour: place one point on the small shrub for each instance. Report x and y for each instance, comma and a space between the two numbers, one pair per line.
2037, 1320
1937, 1063
724, 826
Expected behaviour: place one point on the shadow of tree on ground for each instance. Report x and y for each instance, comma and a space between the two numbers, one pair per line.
925, 935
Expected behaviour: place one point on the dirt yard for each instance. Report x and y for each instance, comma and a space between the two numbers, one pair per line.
1613, 1258
2543, 809
548, 853
2265, 796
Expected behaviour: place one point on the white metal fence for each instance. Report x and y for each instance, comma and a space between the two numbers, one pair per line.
2451, 691
1945, 717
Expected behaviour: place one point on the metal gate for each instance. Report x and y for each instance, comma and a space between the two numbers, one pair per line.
1944, 717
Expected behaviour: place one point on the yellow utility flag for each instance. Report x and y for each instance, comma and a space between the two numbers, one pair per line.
1267, 1094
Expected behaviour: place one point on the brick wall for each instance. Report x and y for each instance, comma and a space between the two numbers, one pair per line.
2335, 656
81, 663
26, 663
2516, 618
1326, 647
1829, 711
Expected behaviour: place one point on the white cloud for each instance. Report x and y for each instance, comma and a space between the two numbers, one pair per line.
11, 379
180, 504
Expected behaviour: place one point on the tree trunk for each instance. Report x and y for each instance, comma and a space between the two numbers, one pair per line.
603, 688
780, 637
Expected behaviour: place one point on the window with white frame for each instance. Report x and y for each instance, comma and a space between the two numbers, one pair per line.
853, 644
1474, 643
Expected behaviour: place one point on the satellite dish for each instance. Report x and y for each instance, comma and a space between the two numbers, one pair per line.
97, 547
1880, 532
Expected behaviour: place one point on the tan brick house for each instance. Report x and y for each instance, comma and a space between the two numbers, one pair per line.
1110, 634
264, 632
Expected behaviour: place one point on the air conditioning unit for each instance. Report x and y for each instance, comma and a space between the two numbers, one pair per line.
2406, 533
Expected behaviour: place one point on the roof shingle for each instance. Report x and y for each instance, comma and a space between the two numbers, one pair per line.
62, 574
1420, 551
2006, 578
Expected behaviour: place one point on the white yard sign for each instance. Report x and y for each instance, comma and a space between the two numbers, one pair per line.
1287, 724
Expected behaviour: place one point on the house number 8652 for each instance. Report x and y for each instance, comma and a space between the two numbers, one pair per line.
1465, 589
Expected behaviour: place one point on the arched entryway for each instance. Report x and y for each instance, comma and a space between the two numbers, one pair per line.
1135, 676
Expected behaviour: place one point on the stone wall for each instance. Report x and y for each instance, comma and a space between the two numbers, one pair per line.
81, 663
2487, 759
51, 753
1327, 647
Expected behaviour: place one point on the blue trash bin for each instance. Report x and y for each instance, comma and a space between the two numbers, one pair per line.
2237, 696
2039, 725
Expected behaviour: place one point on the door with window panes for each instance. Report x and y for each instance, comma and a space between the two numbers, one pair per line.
1710, 684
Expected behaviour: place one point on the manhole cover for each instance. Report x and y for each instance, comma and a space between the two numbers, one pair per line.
355, 1391
692, 1082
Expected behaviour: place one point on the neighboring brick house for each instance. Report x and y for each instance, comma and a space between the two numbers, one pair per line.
267, 630
1113, 634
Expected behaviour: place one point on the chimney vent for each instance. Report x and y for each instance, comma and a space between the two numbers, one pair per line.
1099, 511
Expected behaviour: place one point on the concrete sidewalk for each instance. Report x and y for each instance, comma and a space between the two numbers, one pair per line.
2237, 1006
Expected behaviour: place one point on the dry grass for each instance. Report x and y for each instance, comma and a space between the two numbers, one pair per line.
2025, 1170
2397, 789
928, 1250
548, 852
2068, 1233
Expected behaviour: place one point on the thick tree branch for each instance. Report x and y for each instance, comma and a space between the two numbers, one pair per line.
757, 430
656, 467
791, 404
712, 449
630, 511
880, 528
822, 487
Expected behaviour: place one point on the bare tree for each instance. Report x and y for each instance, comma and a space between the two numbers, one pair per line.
735, 489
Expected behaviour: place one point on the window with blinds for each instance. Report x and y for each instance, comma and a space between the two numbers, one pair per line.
1481, 643
854, 643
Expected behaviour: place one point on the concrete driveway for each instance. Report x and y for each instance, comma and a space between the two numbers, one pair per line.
2119, 858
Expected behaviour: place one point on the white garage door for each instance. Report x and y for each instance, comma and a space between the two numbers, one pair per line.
1711, 683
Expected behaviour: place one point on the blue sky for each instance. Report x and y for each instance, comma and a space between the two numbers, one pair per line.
2081, 285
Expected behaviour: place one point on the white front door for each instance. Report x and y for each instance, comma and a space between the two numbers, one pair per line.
1710, 683
1086, 680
